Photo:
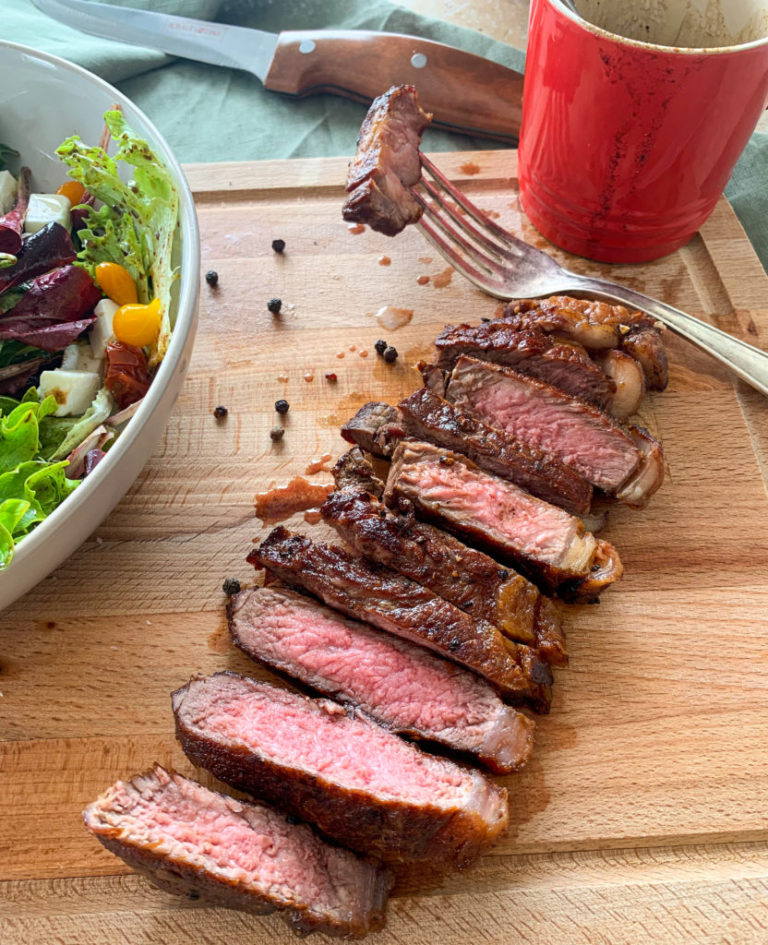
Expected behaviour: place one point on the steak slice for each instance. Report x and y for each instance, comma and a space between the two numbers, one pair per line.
192, 841
577, 434
376, 428
398, 605
426, 416
467, 578
549, 545
358, 783
387, 163
353, 469
403, 687
565, 365
431, 418
596, 325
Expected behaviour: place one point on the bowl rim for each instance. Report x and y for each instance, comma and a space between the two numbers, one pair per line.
189, 291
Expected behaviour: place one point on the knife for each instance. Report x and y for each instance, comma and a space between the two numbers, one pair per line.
466, 93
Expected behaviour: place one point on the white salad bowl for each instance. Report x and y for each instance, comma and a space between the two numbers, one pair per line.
44, 100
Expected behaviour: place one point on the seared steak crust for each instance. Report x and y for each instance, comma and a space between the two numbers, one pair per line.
378, 428
314, 886
404, 687
387, 163
398, 605
437, 811
565, 365
597, 326
352, 469
467, 578
552, 547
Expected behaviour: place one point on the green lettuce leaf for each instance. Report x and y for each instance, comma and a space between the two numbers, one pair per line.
30, 487
101, 409
136, 224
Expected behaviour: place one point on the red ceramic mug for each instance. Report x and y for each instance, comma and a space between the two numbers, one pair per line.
628, 138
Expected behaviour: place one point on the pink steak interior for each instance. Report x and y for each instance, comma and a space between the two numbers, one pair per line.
319, 736
416, 688
240, 842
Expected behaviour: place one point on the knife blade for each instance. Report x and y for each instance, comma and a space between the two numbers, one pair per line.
466, 93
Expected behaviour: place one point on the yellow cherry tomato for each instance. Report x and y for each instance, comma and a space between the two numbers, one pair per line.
117, 283
138, 325
73, 190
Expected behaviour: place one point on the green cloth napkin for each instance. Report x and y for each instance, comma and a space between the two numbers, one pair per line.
209, 113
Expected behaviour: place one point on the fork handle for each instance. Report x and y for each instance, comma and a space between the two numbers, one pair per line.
747, 362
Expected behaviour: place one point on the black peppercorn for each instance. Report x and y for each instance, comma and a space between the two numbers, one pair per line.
380, 346
231, 586
220, 412
278, 245
274, 305
277, 433
212, 277
282, 406
390, 354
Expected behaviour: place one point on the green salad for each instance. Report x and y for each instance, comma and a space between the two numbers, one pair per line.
86, 276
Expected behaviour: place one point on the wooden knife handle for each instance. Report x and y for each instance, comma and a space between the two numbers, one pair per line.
465, 92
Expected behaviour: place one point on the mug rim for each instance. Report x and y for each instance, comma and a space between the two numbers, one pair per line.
577, 18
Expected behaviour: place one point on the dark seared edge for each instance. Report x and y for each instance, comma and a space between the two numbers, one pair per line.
387, 163
378, 428
193, 882
391, 830
353, 469
394, 603
602, 568
485, 730
471, 580
597, 325
563, 364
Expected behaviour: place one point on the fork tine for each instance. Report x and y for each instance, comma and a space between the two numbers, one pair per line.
474, 211
484, 282
445, 222
472, 231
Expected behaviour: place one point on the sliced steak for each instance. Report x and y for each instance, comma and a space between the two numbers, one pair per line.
577, 434
565, 365
398, 605
467, 578
597, 326
545, 542
376, 428
352, 469
387, 163
403, 687
192, 841
358, 783
425, 416
431, 418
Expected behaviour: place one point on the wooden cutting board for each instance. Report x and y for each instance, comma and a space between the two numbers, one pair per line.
643, 815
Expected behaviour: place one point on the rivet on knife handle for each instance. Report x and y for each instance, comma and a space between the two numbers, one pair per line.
465, 92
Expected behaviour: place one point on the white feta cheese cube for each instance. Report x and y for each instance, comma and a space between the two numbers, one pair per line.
73, 390
101, 331
79, 357
45, 209
8, 188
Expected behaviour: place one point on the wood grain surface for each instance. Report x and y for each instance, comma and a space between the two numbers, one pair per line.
643, 815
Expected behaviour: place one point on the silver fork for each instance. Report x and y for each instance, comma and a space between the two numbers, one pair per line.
508, 268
